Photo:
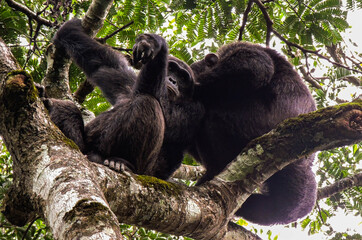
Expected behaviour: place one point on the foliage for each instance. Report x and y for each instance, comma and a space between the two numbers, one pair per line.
192, 29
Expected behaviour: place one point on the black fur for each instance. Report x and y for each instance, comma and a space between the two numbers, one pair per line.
246, 94
109, 70
132, 131
66, 116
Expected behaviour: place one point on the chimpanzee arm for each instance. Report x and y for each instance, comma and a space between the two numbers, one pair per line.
104, 67
152, 51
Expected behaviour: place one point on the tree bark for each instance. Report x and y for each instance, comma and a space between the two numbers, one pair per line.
187, 172
348, 182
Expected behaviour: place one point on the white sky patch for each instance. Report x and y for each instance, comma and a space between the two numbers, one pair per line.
355, 33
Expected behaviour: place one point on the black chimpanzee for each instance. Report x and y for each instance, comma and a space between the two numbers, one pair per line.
132, 131
128, 133
241, 92
247, 90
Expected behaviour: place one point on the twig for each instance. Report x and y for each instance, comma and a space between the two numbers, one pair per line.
313, 52
29, 13
28, 228
269, 22
122, 49
245, 19
358, 65
296, 13
320, 212
310, 80
115, 32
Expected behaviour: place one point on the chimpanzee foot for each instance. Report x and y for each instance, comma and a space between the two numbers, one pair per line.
118, 164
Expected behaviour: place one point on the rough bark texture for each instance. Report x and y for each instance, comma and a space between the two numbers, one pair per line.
293, 139
94, 17
188, 172
56, 79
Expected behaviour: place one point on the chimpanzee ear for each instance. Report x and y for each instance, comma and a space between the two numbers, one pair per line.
211, 59
178, 70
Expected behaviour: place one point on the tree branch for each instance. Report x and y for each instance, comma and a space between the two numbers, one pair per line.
103, 40
245, 19
269, 22
56, 183
332, 50
295, 138
188, 172
343, 184
308, 79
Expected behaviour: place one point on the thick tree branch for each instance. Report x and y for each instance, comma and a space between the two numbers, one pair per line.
7, 63
293, 139
94, 18
348, 182
56, 79
51, 180
298, 137
61, 186
197, 212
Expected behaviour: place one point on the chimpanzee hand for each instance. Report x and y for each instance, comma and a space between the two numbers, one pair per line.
147, 47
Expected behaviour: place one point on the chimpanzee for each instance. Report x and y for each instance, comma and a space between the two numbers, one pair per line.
132, 131
110, 71
247, 90
241, 92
